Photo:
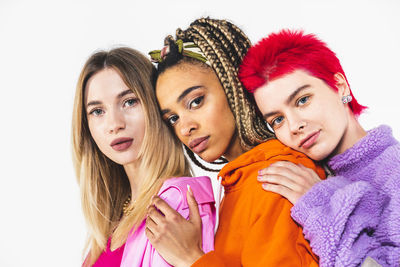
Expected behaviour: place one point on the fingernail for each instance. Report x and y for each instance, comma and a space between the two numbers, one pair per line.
189, 189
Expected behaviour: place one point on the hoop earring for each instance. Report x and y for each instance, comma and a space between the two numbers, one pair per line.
346, 99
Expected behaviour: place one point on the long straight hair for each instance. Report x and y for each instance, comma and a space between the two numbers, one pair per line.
104, 185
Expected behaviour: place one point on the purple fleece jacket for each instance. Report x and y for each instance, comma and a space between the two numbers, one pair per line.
356, 213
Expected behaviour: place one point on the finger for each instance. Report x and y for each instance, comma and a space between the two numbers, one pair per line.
281, 190
163, 206
149, 234
294, 168
283, 181
194, 214
151, 224
310, 172
296, 174
263, 171
268, 169
155, 215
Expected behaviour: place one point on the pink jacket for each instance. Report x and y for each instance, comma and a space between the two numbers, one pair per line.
138, 250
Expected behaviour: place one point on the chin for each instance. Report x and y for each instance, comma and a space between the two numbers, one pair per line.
208, 158
318, 156
124, 161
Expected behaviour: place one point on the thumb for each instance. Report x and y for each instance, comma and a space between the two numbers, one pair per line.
194, 214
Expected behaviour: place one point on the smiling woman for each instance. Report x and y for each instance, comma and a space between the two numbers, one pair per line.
123, 155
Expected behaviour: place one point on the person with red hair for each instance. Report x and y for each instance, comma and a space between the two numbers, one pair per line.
303, 94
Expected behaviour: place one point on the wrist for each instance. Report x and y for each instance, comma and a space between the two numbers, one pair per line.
192, 257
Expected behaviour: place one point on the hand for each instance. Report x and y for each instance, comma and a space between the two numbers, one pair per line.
176, 239
288, 179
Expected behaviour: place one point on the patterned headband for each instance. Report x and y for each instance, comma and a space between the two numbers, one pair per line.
188, 49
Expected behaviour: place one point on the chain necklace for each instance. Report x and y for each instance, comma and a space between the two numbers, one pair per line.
125, 208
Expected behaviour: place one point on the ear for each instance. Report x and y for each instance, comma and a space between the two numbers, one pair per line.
341, 84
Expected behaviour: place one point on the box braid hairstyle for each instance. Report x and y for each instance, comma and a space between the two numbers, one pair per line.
224, 45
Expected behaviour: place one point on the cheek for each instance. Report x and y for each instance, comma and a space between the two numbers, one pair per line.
137, 124
283, 135
332, 114
223, 119
99, 139
96, 133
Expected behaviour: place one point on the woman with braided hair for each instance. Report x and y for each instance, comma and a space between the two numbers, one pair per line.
202, 99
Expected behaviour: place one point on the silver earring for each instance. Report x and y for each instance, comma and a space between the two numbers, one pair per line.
346, 99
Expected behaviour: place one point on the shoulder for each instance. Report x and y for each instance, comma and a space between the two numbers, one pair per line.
272, 151
174, 190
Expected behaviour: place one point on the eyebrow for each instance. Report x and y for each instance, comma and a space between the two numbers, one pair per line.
186, 92
288, 100
120, 95
181, 96
295, 93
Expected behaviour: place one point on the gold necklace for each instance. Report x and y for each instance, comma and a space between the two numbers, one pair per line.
125, 208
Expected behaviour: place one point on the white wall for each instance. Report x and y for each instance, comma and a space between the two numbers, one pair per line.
43, 45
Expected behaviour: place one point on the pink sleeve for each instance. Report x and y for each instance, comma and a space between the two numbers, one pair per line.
139, 251
175, 196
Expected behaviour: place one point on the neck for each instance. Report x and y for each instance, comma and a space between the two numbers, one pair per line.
234, 149
353, 133
131, 172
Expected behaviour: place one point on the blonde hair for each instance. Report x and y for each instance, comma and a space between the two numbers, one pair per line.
103, 183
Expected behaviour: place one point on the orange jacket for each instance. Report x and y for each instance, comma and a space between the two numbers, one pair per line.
255, 226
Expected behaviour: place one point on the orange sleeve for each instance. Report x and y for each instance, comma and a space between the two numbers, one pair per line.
209, 259
273, 238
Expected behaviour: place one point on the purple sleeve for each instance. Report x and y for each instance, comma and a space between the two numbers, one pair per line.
340, 218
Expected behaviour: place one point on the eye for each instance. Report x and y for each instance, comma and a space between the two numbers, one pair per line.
96, 112
276, 121
131, 102
196, 102
302, 100
172, 119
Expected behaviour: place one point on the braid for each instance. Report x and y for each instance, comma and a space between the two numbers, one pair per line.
197, 162
224, 45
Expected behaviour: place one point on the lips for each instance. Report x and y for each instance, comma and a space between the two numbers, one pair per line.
199, 144
121, 144
309, 140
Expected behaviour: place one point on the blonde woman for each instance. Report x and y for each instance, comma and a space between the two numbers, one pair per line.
123, 155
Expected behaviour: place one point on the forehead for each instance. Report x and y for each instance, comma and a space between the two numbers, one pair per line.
172, 82
105, 84
275, 93
291, 80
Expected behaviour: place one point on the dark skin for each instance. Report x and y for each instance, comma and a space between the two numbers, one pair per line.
191, 113
189, 96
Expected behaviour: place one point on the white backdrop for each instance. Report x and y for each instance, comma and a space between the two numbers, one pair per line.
43, 45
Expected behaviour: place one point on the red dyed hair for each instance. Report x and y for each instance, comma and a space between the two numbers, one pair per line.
282, 53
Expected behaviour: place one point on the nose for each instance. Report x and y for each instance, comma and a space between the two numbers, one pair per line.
115, 122
187, 126
296, 124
